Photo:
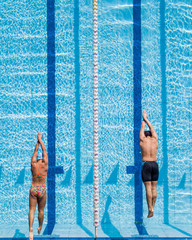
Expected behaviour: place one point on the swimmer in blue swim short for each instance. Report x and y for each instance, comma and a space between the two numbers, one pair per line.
150, 169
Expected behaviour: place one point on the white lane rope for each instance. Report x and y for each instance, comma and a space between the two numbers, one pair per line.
95, 118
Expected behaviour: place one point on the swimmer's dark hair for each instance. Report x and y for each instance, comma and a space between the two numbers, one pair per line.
148, 133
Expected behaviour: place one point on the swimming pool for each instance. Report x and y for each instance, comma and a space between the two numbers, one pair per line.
46, 85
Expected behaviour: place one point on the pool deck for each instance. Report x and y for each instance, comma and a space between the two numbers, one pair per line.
154, 231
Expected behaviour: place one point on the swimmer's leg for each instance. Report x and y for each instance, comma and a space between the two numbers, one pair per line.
154, 192
41, 206
32, 207
149, 198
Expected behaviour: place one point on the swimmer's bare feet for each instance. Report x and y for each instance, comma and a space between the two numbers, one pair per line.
39, 230
31, 235
150, 214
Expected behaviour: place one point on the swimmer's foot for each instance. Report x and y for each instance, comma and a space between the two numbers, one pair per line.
31, 235
39, 230
150, 214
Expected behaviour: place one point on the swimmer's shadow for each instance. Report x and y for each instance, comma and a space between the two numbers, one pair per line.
106, 225
19, 235
21, 177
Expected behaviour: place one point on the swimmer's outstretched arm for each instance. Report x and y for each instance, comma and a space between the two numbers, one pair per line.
45, 155
154, 134
34, 157
142, 135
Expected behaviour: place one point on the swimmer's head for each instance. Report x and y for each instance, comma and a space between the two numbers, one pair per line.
39, 156
148, 133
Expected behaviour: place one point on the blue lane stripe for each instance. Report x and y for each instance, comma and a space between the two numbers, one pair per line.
137, 108
51, 205
77, 116
51, 113
164, 110
136, 169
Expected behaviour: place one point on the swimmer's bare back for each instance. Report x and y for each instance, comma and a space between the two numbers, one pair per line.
148, 144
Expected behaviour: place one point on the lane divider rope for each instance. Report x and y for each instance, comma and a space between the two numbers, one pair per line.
95, 118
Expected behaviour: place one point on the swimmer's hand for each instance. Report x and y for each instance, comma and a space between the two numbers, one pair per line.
144, 115
39, 136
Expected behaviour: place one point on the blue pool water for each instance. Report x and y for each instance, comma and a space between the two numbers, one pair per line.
46, 85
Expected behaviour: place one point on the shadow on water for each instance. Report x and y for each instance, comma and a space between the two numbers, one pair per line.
78, 120
21, 177
19, 235
182, 183
179, 230
161, 176
108, 228
131, 182
89, 177
164, 170
67, 181
114, 175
